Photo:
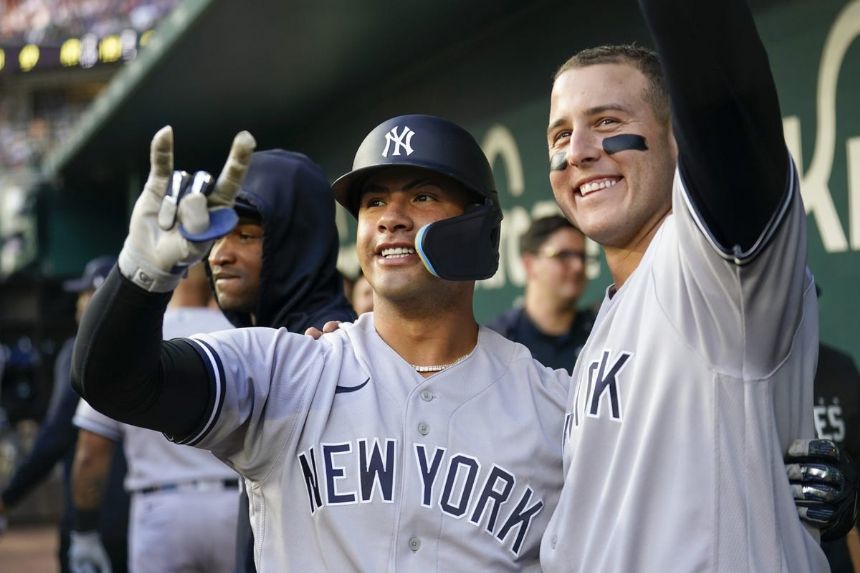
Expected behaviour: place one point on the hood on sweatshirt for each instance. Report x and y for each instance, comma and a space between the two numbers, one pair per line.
299, 282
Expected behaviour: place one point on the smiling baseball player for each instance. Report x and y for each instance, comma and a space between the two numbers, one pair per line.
378, 447
704, 348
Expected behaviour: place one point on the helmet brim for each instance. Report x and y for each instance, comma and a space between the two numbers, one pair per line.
347, 187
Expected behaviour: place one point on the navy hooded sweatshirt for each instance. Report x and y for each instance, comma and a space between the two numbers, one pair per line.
299, 283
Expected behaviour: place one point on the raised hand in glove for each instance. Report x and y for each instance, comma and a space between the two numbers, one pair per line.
824, 485
87, 554
156, 253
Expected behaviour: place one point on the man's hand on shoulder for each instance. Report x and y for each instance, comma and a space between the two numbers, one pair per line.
330, 326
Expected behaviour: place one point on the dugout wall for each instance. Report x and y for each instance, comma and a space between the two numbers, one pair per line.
317, 78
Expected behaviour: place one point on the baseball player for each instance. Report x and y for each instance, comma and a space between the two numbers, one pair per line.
837, 416
377, 447
704, 347
183, 500
56, 442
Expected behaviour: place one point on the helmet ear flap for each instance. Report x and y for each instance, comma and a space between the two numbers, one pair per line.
462, 248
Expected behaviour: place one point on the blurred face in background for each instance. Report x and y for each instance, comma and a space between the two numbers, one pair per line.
362, 296
557, 270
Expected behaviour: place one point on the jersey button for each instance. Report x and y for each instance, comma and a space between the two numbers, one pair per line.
414, 544
426, 395
423, 429
553, 541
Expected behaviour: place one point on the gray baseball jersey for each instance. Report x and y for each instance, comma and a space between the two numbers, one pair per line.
697, 376
355, 462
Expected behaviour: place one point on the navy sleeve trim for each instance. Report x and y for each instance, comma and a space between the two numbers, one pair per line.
736, 254
215, 369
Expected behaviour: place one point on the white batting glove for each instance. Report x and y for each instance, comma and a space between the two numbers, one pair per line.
87, 554
155, 254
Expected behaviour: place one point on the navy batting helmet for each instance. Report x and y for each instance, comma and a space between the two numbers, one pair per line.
465, 247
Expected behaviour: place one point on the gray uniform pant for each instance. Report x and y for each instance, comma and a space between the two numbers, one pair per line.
183, 531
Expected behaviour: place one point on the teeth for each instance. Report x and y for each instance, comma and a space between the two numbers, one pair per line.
596, 185
397, 252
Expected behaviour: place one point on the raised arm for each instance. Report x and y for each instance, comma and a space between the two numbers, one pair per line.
732, 155
121, 366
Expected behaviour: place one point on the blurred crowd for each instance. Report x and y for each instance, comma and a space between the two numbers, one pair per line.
25, 141
32, 126
51, 21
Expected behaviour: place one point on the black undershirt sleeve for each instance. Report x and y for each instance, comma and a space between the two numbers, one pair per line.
732, 154
123, 369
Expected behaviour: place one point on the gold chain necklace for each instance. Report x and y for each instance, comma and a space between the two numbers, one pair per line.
438, 367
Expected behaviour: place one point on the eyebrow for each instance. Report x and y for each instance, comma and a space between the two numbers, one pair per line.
596, 110
423, 180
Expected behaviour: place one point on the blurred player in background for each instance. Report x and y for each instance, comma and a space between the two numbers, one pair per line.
56, 441
837, 417
549, 323
183, 500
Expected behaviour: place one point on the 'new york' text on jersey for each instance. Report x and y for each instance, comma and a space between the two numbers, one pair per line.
695, 380
374, 468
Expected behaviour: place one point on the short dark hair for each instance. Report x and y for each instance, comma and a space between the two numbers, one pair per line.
641, 58
540, 230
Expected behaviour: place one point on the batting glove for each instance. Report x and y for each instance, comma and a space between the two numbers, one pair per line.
156, 253
87, 554
824, 485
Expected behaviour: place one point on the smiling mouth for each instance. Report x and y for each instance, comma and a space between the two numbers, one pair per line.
397, 252
597, 185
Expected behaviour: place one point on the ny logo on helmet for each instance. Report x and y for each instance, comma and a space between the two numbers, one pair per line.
398, 141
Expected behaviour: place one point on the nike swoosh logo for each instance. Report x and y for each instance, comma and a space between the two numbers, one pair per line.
339, 389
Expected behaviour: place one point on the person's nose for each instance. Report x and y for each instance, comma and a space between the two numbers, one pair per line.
222, 252
583, 148
395, 216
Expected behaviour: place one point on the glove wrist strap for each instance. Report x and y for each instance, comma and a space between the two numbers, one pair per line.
146, 276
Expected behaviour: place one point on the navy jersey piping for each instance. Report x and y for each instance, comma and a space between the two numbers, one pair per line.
215, 369
746, 257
